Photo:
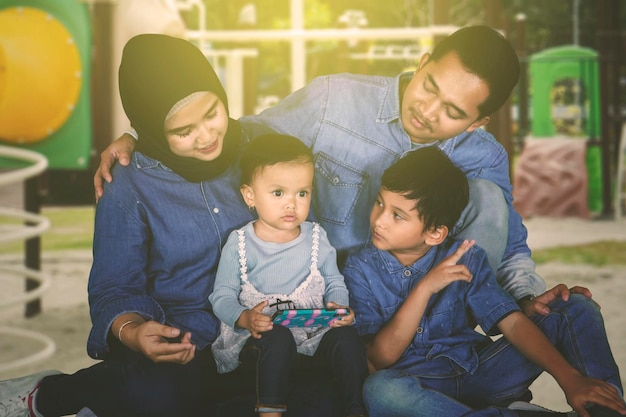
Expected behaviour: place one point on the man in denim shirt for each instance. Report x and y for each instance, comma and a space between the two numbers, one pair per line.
358, 125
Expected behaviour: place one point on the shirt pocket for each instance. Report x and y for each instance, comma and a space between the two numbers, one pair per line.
337, 189
444, 318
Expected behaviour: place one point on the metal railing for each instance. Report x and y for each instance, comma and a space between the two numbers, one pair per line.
31, 225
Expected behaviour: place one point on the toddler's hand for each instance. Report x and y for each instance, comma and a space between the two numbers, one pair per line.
255, 321
346, 320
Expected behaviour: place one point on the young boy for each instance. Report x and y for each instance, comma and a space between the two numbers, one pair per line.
418, 296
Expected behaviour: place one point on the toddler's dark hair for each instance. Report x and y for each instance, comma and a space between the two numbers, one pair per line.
271, 149
428, 177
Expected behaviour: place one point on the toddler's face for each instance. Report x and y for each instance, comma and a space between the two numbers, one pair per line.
281, 194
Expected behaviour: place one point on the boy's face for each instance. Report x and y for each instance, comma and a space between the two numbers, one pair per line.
397, 228
441, 100
281, 194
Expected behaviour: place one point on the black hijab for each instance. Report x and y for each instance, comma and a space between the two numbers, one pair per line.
155, 73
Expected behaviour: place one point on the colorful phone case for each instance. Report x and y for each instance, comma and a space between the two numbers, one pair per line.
308, 317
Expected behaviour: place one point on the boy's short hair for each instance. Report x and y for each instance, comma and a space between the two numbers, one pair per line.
487, 54
427, 176
271, 149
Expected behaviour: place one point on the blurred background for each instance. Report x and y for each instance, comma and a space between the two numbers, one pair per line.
59, 58
563, 127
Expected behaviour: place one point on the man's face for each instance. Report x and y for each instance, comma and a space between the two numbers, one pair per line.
441, 100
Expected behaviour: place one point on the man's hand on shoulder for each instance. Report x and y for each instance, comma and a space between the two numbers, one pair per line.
120, 150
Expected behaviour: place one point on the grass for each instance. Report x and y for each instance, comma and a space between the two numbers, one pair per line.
598, 254
72, 228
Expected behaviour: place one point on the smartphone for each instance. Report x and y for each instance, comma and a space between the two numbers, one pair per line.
309, 317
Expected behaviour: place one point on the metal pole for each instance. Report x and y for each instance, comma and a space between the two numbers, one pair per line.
298, 46
523, 79
575, 22
32, 246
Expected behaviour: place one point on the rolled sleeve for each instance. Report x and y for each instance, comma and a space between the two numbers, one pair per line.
518, 277
487, 300
145, 306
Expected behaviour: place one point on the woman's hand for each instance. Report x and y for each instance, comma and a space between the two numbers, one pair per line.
151, 339
346, 320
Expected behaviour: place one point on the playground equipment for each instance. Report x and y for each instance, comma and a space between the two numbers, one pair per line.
560, 166
298, 35
44, 105
34, 226
45, 79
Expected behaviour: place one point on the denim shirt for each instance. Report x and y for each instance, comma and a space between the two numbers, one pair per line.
352, 123
445, 339
156, 247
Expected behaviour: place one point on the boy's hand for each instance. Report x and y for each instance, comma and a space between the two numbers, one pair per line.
255, 321
540, 303
119, 150
447, 271
581, 391
346, 320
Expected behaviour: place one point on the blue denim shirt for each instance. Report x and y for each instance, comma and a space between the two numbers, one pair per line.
379, 284
352, 123
156, 247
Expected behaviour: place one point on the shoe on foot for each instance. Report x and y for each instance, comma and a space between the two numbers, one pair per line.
525, 409
17, 395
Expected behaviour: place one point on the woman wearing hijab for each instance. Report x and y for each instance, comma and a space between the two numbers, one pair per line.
158, 232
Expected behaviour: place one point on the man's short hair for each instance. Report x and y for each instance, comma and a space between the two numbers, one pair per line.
487, 54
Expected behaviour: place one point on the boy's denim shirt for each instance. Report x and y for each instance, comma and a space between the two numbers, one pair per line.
352, 123
157, 242
445, 339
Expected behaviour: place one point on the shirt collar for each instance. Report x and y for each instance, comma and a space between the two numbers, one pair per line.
390, 106
421, 266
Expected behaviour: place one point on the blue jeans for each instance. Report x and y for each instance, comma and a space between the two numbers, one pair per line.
575, 327
485, 219
340, 354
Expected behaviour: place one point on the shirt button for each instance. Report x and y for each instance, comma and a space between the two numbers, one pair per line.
420, 330
407, 273
216, 210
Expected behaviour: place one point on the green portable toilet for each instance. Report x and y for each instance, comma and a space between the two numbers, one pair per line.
566, 102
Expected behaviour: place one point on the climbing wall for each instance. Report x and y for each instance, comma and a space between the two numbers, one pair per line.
551, 178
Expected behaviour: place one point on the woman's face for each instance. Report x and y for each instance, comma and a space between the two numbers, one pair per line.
197, 130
